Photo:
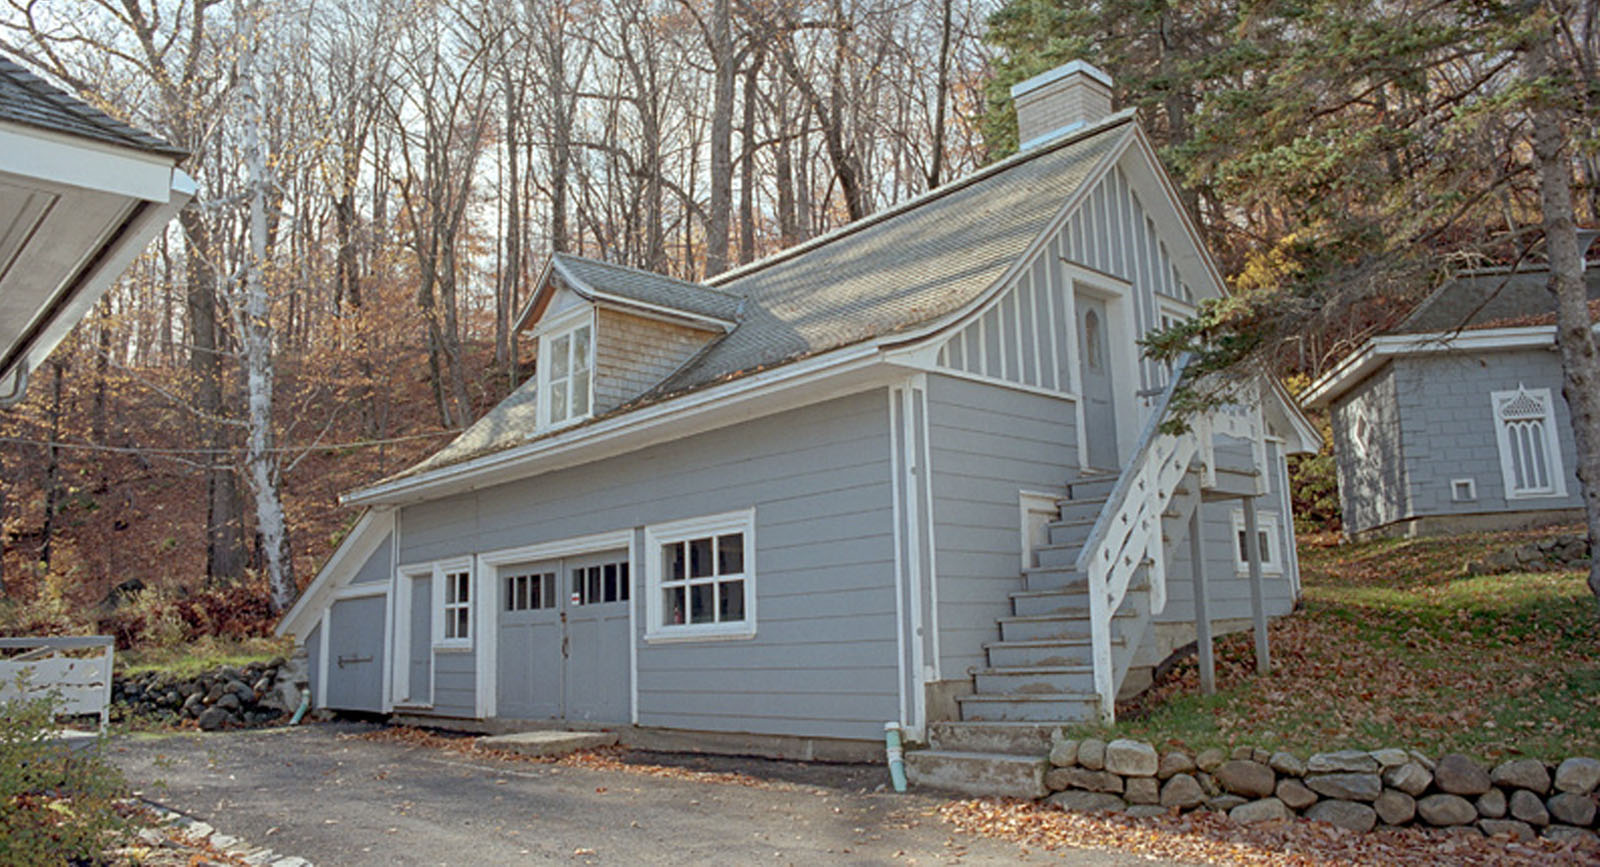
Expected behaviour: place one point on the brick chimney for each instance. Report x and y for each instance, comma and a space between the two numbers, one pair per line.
1052, 103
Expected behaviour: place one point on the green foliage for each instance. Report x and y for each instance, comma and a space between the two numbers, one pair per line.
57, 806
1314, 490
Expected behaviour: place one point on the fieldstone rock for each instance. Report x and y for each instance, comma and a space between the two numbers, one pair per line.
229, 702
1460, 831
1225, 803
1064, 753
1522, 774
1390, 758
1182, 791
1527, 806
213, 719
1208, 783
1141, 790
1492, 804
1347, 787
1395, 807
1243, 754
1568, 834
1507, 828
193, 705
1294, 794
1248, 778
261, 686
1572, 809
1131, 758
1457, 774
1209, 760
1092, 753
1145, 811
1444, 809
1411, 778
1286, 763
1427, 763
1173, 764
1086, 802
1346, 814
1578, 775
1264, 810
1083, 778
1343, 761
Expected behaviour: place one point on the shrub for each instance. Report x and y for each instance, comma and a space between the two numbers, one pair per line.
57, 806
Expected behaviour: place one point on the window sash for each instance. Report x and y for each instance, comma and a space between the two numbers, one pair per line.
1530, 453
700, 578
568, 356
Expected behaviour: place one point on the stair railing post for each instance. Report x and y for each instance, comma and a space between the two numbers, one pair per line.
1258, 608
1202, 619
1100, 638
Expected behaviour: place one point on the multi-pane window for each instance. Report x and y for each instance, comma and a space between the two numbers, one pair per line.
568, 360
605, 582
1530, 453
1266, 538
702, 577
457, 609
530, 592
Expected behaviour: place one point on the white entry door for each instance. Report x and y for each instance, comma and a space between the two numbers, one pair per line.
1094, 366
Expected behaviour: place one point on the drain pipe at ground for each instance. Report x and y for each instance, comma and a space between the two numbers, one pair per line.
897, 762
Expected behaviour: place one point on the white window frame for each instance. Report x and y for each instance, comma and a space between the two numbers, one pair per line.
1271, 553
1458, 486
440, 570
564, 326
658, 535
1554, 466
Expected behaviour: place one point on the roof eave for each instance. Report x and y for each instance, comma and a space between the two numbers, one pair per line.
1377, 351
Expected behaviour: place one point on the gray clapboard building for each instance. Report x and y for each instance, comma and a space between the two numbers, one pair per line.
910, 472
1454, 420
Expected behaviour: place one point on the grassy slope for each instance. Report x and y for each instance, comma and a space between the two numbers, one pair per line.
1395, 647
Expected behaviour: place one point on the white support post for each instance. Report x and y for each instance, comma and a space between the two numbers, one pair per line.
1258, 607
1202, 619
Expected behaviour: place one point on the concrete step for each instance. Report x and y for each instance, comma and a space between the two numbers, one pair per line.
544, 744
1044, 626
1011, 738
1034, 679
1041, 707
985, 774
1039, 578
1085, 487
1028, 603
1060, 651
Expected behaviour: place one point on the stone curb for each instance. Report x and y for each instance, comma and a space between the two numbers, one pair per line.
187, 828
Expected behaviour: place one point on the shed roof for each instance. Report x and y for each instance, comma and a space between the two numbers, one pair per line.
1491, 298
27, 99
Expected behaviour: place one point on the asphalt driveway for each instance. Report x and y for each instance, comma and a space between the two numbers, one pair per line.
334, 799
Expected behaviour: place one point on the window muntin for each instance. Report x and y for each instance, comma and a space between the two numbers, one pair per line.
566, 370
1266, 536
701, 577
1530, 453
457, 607
530, 592
599, 583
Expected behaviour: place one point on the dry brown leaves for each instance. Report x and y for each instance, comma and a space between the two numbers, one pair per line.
1213, 838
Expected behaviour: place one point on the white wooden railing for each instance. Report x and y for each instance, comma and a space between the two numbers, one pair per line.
1127, 536
80, 684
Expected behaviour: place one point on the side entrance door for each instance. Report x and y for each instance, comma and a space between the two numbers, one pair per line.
1094, 363
596, 663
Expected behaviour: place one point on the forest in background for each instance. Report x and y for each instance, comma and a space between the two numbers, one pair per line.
384, 179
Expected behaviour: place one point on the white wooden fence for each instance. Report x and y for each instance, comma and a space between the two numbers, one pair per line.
76, 670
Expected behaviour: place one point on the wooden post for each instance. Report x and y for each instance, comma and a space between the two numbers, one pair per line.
1258, 606
1202, 620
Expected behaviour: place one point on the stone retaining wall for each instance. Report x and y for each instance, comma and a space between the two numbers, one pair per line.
1358, 790
1556, 554
257, 694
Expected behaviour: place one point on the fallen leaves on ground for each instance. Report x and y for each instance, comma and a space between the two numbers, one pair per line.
1212, 838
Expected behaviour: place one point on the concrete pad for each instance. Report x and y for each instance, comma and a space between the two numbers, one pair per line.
548, 743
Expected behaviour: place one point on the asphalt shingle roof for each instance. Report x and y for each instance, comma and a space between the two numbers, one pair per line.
27, 99
1495, 299
645, 287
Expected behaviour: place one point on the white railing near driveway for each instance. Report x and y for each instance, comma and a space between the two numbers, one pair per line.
75, 670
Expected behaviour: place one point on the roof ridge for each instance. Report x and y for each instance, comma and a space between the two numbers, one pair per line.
1071, 138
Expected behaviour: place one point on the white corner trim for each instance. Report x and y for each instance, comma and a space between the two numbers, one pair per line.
319, 697
635, 578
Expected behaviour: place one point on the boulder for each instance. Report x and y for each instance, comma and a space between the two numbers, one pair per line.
1141, 790
1209, 760
1173, 764
1145, 811
1264, 810
1457, 774
1086, 802
1247, 778
1225, 803
1572, 808
1578, 775
1395, 807
213, 719
1522, 774
1083, 778
1092, 753
1411, 778
1346, 814
229, 702
1507, 828
1347, 787
1294, 794
1183, 792
1286, 763
1445, 809
1427, 763
1492, 804
1131, 758
1343, 761
1208, 783
1390, 758
1064, 753
1243, 754
1528, 807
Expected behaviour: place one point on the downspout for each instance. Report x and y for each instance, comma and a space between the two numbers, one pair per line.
896, 756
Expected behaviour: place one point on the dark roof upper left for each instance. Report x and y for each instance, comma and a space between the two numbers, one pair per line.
27, 99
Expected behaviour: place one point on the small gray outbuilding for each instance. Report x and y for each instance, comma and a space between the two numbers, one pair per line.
1454, 420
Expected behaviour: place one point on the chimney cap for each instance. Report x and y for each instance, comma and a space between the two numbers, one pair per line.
1060, 72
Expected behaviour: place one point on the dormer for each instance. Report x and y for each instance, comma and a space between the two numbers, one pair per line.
604, 335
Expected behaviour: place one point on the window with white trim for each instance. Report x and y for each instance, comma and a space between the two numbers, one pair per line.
701, 577
1530, 452
1266, 537
456, 608
566, 370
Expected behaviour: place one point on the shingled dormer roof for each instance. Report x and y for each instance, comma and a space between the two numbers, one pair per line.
592, 277
27, 99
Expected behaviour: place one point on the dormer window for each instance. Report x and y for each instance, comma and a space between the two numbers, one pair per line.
566, 365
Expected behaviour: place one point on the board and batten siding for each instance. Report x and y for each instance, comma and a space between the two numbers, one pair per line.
987, 443
633, 354
823, 662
